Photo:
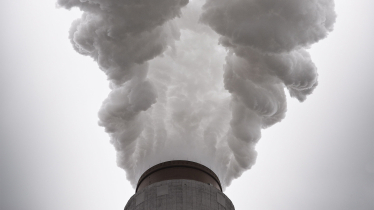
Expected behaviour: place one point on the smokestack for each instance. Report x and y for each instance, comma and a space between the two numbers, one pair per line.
179, 184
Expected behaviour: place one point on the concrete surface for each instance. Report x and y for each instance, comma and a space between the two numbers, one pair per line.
179, 194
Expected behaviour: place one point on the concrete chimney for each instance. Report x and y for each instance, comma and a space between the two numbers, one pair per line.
179, 185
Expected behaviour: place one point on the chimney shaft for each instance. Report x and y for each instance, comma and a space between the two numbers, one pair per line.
179, 185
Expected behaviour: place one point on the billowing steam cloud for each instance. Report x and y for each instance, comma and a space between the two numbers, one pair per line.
170, 98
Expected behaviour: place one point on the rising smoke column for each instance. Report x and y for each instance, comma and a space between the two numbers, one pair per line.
170, 98
266, 41
121, 36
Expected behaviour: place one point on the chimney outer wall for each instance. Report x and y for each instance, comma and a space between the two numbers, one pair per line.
179, 185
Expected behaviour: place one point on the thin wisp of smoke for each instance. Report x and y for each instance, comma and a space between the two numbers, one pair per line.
198, 80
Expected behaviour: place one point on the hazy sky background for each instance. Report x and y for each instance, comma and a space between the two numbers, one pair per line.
53, 155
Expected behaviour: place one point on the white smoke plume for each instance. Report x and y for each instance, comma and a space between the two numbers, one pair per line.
198, 80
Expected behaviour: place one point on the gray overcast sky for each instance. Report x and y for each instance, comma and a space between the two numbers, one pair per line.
53, 155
